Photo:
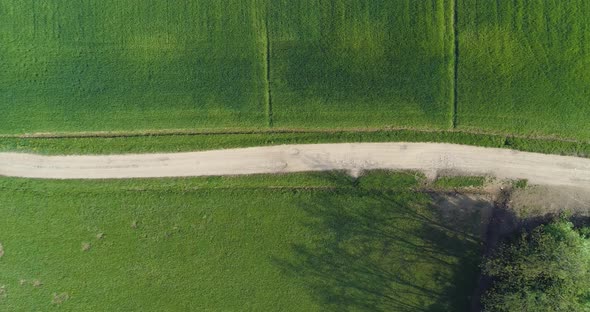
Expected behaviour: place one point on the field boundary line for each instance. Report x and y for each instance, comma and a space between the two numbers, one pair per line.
182, 132
416, 189
267, 56
455, 63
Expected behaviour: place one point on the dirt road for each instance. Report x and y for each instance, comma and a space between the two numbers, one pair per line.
430, 158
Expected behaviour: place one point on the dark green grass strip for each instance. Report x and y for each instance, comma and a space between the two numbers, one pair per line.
455, 63
324, 180
268, 86
459, 182
194, 142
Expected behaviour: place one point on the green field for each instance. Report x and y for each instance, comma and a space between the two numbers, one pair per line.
301, 242
136, 76
508, 67
133, 64
346, 63
524, 67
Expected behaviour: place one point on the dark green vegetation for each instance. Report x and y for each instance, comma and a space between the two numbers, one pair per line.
349, 63
524, 66
545, 270
520, 184
302, 242
517, 67
459, 182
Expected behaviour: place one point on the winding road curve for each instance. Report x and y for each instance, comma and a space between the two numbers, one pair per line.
430, 158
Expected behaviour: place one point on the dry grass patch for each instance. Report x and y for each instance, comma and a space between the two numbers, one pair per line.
1, 250
86, 246
60, 298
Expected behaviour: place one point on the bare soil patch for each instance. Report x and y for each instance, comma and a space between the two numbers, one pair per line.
465, 208
537, 201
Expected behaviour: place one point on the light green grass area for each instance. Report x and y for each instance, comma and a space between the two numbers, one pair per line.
302, 242
128, 65
346, 63
524, 67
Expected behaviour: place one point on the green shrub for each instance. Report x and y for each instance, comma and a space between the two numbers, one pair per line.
547, 269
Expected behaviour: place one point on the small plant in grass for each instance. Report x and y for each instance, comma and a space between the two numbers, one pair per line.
37, 283
520, 184
1, 250
85, 246
100, 236
60, 298
2, 291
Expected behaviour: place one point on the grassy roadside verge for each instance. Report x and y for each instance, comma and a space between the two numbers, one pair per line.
182, 142
459, 182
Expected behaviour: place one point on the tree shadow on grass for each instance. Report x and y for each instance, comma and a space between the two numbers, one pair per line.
379, 250
343, 81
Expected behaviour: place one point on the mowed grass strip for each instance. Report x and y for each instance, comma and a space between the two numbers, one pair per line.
345, 63
260, 243
524, 67
128, 65
198, 142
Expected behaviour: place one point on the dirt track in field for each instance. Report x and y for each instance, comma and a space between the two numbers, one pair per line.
430, 158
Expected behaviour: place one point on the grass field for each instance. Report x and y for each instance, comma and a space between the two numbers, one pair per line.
345, 63
133, 64
302, 242
521, 67
124, 65
524, 66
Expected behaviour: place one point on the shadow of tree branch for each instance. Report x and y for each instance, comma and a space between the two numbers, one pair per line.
383, 250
